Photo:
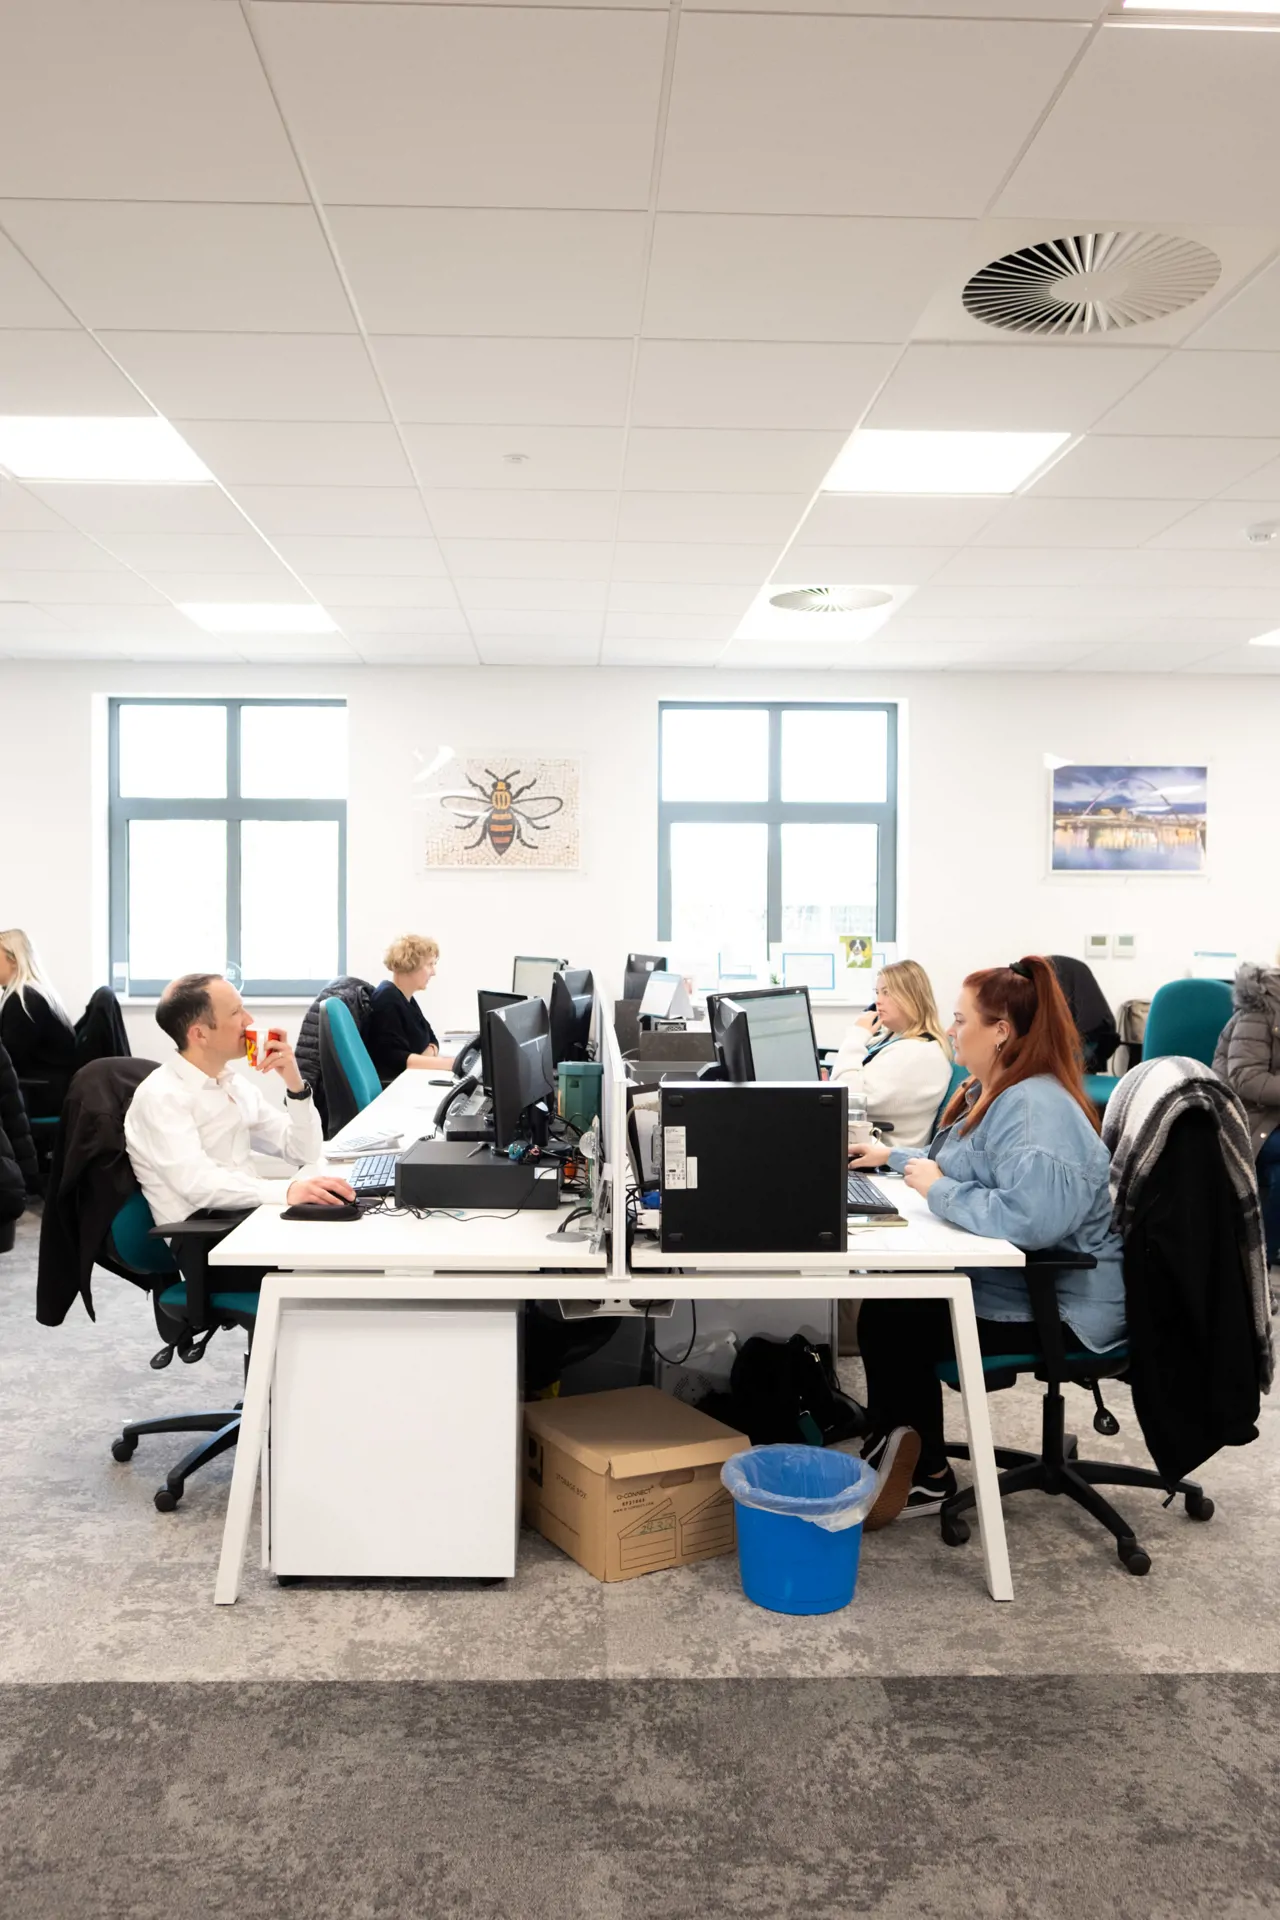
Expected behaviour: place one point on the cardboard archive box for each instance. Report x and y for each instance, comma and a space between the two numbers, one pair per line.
628, 1482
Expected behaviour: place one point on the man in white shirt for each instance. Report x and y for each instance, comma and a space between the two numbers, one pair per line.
195, 1124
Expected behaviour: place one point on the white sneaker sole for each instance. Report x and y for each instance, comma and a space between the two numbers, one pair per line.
897, 1465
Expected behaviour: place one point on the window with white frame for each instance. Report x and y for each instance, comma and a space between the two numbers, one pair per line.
228, 842
777, 828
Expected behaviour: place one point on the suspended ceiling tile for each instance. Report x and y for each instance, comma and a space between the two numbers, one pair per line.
152, 101
520, 457
351, 511
495, 381
292, 453
1205, 393
495, 514
812, 114
360, 554
50, 372
718, 518
791, 277
158, 266
469, 106
1160, 466
527, 559
1029, 387
25, 300
251, 376
692, 460
1160, 128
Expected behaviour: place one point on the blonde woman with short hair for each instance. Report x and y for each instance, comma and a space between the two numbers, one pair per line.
35, 1031
896, 1058
396, 1030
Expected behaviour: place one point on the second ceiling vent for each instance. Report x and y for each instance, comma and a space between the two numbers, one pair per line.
1089, 283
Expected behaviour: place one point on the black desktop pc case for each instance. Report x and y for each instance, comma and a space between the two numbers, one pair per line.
450, 1174
756, 1168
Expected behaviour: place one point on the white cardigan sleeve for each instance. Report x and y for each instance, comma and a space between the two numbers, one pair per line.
903, 1083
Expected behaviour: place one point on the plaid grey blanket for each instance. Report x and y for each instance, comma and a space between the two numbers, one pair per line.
1135, 1127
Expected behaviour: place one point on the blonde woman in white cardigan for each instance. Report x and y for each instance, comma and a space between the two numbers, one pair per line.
897, 1059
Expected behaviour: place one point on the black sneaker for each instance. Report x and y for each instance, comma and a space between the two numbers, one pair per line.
894, 1461
928, 1493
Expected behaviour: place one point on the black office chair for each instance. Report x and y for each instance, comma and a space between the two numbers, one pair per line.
1195, 1189
172, 1263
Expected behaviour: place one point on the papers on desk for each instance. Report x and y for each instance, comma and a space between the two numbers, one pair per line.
360, 1144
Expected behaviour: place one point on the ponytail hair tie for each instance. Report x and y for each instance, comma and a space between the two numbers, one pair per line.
1023, 973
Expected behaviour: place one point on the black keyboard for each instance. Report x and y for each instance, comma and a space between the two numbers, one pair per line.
864, 1196
375, 1173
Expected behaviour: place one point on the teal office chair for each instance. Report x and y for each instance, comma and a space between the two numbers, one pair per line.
171, 1262
350, 1078
959, 1075
1187, 1017
1099, 1087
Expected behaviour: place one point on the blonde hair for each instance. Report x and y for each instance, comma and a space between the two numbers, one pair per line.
409, 952
911, 987
30, 972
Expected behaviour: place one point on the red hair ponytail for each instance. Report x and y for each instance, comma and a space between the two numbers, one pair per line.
1043, 1040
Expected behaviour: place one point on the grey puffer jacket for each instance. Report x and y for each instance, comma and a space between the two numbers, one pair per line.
1247, 1056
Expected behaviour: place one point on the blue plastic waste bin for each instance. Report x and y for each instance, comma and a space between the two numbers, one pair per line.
800, 1512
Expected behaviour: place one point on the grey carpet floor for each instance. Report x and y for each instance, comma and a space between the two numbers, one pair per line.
1140, 1799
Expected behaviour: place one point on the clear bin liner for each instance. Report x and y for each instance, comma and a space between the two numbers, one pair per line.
832, 1490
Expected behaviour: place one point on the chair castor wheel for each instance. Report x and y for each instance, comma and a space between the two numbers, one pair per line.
167, 1499
1135, 1560
1199, 1506
125, 1447
954, 1531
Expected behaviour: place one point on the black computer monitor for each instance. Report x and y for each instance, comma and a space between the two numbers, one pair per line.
639, 967
523, 1070
766, 1034
486, 1002
532, 974
573, 1001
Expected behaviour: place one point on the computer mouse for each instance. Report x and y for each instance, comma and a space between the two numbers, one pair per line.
313, 1210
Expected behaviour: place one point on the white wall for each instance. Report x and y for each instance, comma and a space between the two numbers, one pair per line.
974, 855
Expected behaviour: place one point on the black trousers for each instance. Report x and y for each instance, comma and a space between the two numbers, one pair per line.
902, 1342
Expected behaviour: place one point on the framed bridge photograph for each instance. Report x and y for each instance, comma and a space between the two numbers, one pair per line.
1129, 819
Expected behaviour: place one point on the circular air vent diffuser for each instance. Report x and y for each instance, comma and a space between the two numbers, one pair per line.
1091, 283
830, 599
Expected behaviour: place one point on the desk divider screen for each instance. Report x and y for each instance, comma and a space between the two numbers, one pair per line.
613, 1122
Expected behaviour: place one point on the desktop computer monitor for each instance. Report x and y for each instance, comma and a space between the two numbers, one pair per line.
665, 998
523, 1070
636, 976
532, 974
766, 1035
486, 1002
573, 1002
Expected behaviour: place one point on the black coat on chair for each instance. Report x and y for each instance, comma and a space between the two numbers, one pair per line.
89, 1181
1193, 1368
16, 1125
100, 1033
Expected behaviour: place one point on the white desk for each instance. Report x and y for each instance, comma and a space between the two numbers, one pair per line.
380, 1262
487, 1257
920, 1261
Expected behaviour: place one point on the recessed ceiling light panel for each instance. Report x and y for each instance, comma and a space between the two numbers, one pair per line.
899, 461
217, 616
830, 599
1091, 283
1200, 6
1271, 639
142, 450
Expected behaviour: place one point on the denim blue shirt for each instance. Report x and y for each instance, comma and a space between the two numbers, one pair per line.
1033, 1171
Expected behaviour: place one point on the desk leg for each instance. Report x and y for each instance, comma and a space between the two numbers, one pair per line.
253, 1429
973, 1392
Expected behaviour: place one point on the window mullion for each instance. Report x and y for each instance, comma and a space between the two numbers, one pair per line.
233, 833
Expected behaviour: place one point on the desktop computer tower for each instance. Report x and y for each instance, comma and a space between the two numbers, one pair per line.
754, 1168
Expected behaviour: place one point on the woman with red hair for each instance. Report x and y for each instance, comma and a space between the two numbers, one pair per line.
1017, 1158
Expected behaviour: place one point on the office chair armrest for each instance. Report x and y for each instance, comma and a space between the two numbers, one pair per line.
1042, 1264
191, 1241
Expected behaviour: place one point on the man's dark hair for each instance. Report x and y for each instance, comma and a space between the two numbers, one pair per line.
183, 1004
